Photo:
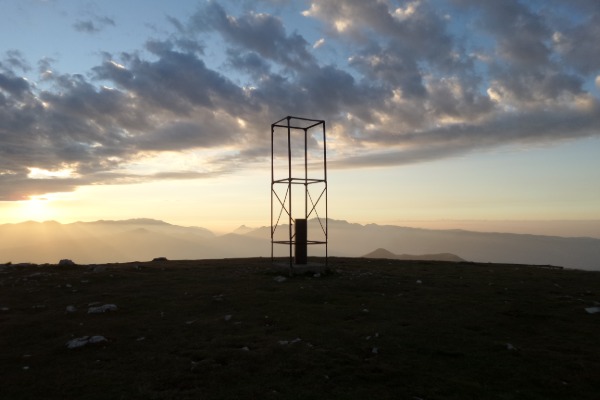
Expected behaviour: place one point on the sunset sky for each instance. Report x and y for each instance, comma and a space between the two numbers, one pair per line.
436, 110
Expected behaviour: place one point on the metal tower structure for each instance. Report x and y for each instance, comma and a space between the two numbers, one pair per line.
298, 186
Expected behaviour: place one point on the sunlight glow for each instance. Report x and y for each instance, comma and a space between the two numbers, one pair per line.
36, 208
341, 24
116, 64
408, 11
38, 173
319, 43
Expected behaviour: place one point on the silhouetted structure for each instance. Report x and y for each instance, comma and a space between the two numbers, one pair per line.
299, 158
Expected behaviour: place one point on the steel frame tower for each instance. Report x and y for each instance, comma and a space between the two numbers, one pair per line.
310, 133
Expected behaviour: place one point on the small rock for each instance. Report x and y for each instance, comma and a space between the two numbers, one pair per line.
97, 339
245, 348
65, 262
102, 309
85, 340
510, 347
286, 342
141, 338
227, 317
317, 275
419, 282
77, 342
25, 368
190, 322
375, 350
280, 279
70, 309
159, 259
592, 310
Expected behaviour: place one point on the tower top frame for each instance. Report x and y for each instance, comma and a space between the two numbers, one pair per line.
298, 140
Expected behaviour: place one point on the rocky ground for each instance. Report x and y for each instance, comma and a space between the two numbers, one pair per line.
239, 328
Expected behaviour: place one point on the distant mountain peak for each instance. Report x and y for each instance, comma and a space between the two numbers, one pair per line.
383, 253
380, 253
243, 229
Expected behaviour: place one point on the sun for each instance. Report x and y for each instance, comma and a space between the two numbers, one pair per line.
37, 208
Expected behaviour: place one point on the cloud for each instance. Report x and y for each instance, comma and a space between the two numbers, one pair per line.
94, 24
319, 43
405, 86
453, 140
258, 32
579, 46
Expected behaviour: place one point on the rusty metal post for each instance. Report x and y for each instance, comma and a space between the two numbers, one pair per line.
301, 236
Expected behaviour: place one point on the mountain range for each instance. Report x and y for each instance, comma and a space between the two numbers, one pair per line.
144, 239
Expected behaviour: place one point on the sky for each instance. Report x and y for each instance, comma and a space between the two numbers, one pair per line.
445, 113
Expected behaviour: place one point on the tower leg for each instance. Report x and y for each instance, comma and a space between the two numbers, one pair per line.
301, 242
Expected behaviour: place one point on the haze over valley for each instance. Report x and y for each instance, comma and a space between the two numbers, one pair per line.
145, 239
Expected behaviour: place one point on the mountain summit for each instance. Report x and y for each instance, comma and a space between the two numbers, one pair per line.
383, 253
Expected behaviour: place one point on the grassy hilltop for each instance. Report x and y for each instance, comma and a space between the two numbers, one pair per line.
227, 329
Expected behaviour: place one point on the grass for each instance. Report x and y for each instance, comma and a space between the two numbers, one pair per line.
225, 329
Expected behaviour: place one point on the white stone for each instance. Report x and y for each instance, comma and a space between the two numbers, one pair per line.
77, 342
102, 309
84, 340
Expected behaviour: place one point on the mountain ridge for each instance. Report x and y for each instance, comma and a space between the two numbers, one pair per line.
145, 238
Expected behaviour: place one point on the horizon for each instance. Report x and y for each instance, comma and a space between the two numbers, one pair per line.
110, 241
560, 228
440, 114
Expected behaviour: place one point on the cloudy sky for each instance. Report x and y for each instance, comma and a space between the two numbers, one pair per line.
435, 109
